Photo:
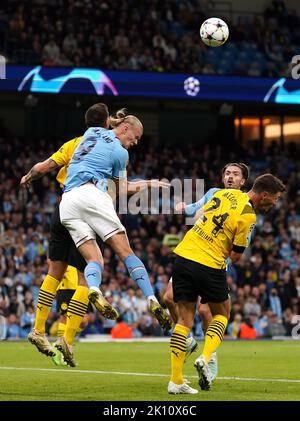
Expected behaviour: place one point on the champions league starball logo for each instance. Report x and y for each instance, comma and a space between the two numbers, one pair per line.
191, 86
37, 83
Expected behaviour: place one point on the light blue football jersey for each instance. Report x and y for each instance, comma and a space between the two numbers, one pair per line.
98, 157
194, 207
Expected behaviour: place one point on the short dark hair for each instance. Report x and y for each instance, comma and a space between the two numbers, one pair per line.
268, 183
96, 115
243, 167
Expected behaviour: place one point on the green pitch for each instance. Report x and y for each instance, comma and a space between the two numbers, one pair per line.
140, 371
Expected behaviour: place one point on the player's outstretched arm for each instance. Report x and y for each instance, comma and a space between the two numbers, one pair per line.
37, 171
135, 186
193, 208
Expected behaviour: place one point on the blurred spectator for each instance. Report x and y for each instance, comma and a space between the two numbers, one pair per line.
27, 321
234, 327
13, 327
275, 303
94, 325
275, 327
171, 239
50, 53
247, 330
121, 330
252, 307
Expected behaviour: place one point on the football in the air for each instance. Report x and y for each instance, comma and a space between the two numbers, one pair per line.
214, 32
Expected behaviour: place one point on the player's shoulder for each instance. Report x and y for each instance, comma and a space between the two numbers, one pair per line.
76, 140
212, 191
70, 143
232, 193
247, 209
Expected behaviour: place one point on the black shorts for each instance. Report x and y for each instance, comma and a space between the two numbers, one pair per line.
61, 245
191, 280
63, 298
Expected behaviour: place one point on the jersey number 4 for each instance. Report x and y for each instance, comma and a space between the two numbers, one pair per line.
217, 220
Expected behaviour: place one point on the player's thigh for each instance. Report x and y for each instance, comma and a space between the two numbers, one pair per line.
71, 210
183, 278
222, 308
186, 313
76, 259
204, 310
101, 215
60, 239
91, 252
168, 295
212, 284
57, 269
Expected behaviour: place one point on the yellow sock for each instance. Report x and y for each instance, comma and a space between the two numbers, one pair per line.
79, 331
178, 351
76, 311
45, 301
214, 335
61, 329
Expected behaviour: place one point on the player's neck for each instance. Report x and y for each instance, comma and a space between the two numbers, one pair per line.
253, 198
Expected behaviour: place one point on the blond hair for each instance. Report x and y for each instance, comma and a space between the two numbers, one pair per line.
122, 117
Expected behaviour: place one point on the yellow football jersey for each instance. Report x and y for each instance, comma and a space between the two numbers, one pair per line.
63, 157
70, 279
226, 224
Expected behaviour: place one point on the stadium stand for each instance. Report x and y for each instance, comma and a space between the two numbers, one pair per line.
140, 36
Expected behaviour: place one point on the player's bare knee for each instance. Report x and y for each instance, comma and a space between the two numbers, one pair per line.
168, 298
81, 279
57, 269
204, 313
186, 321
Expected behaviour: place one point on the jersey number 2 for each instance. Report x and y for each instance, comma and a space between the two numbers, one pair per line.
218, 220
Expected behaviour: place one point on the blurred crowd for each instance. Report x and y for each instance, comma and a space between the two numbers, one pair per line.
264, 285
149, 35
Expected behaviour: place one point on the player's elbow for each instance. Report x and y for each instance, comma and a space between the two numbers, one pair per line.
41, 168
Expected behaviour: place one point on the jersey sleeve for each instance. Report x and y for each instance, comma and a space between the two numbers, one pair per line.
63, 155
191, 209
120, 161
245, 225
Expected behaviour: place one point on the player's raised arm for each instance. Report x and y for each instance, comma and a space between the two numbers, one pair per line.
135, 186
59, 159
193, 208
37, 171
